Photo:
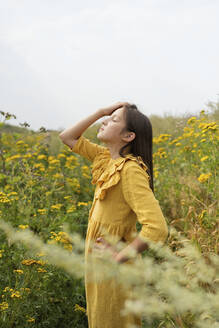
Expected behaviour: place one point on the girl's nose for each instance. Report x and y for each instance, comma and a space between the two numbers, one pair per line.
105, 121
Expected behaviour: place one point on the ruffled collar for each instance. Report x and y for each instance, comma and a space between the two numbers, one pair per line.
106, 171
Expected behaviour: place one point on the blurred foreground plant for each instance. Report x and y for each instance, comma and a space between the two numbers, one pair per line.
178, 289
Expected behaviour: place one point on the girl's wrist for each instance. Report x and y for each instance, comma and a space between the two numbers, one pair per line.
119, 258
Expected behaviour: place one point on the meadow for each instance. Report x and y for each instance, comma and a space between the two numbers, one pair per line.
45, 197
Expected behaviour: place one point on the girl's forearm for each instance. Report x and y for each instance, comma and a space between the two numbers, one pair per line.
76, 130
137, 245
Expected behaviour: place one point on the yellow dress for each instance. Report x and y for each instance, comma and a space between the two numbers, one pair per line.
122, 197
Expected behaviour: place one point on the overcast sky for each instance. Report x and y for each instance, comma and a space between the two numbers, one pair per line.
62, 60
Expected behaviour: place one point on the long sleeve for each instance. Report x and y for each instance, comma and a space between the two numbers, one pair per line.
141, 199
87, 149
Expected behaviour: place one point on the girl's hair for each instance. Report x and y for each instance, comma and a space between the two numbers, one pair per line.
141, 146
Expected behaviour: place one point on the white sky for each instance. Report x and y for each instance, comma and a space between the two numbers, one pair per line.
62, 60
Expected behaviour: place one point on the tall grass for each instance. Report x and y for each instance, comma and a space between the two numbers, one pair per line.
45, 188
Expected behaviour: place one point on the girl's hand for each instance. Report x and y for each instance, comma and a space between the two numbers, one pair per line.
101, 245
109, 110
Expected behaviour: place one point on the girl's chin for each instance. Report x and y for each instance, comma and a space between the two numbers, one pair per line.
100, 137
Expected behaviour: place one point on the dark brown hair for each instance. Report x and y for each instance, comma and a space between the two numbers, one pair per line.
141, 146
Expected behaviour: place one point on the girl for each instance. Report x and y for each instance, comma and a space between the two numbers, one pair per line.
123, 174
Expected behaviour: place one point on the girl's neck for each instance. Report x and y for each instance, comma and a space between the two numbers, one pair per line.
115, 154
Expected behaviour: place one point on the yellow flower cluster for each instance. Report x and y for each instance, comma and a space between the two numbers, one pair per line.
204, 158
85, 171
61, 237
39, 166
56, 207
40, 157
204, 177
15, 294
71, 209
30, 319
32, 261
4, 198
82, 204
79, 308
192, 120
74, 183
41, 211
41, 270
61, 155
20, 142
58, 176
11, 158
161, 153
161, 138
3, 306
19, 271
208, 126
23, 226
71, 162
1, 251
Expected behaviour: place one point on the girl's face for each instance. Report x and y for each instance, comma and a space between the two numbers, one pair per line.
111, 127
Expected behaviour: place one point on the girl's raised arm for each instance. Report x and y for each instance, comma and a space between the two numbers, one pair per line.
69, 136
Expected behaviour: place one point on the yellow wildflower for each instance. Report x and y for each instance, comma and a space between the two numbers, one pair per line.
191, 120
20, 142
161, 138
57, 176
3, 306
27, 155
4, 198
54, 162
12, 193
204, 158
79, 308
28, 262
71, 209
67, 197
29, 319
19, 271
23, 226
82, 204
12, 158
41, 270
38, 166
41, 210
204, 177
15, 294
56, 206
31, 261
208, 126
61, 155
41, 157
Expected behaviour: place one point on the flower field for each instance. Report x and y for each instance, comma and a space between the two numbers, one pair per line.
47, 191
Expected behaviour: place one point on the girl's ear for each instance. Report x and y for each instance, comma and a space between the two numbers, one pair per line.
128, 136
